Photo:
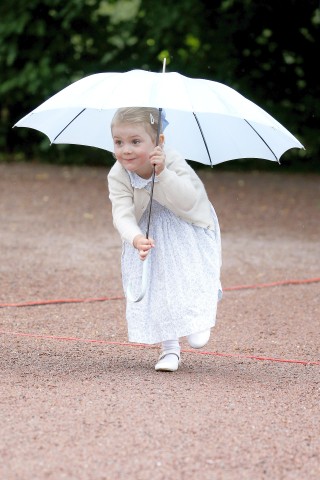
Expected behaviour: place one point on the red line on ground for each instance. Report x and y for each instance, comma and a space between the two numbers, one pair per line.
59, 301
127, 344
104, 299
275, 284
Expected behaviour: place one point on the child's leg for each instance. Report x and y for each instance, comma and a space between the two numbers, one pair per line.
199, 339
171, 345
170, 356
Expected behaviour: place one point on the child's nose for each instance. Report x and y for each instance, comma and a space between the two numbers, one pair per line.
127, 148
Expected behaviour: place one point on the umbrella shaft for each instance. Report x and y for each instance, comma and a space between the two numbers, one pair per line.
153, 175
150, 203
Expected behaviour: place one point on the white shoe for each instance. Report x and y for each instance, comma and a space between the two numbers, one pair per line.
199, 339
169, 361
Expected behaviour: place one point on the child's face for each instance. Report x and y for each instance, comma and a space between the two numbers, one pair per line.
132, 147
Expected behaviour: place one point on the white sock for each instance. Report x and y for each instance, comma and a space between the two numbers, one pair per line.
171, 345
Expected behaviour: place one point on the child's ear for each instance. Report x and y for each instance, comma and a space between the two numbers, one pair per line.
161, 139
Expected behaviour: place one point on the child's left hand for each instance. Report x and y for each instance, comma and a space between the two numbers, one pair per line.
158, 159
143, 245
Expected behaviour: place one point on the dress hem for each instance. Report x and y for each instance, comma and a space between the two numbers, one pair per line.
172, 337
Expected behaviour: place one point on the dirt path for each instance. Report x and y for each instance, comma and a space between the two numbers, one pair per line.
79, 402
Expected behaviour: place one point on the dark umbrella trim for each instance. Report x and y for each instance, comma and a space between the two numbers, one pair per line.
203, 137
275, 156
68, 124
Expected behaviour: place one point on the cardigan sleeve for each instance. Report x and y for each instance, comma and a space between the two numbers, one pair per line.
179, 184
123, 211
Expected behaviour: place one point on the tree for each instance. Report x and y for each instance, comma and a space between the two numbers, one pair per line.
277, 47
265, 49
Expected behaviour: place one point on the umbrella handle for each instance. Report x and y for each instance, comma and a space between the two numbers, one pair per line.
144, 283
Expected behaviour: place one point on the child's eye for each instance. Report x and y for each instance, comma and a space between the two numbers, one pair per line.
136, 142
117, 142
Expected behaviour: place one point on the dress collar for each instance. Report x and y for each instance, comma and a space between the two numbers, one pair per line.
139, 182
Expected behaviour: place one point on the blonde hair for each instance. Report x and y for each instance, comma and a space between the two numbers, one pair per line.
148, 116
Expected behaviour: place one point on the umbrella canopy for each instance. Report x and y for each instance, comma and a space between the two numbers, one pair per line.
208, 122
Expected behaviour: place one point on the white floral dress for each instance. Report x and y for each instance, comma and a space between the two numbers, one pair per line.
184, 277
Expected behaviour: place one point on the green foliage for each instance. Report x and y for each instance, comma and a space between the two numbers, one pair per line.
278, 48
267, 50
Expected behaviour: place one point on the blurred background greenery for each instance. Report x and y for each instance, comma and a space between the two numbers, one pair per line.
267, 50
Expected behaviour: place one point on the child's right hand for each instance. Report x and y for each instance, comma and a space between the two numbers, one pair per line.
143, 245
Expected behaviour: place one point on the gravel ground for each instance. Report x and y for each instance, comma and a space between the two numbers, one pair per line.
79, 402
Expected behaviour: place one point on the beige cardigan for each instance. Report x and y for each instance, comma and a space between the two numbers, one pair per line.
178, 188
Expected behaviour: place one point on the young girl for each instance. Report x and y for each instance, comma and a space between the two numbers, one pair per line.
184, 243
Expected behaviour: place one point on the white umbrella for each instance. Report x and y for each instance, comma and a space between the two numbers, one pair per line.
208, 122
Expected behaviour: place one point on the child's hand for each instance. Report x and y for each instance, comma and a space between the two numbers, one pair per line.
143, 245
158, 159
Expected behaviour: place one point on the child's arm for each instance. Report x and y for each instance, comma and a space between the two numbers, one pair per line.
181, 190
179, 183
123, 211
143, 245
